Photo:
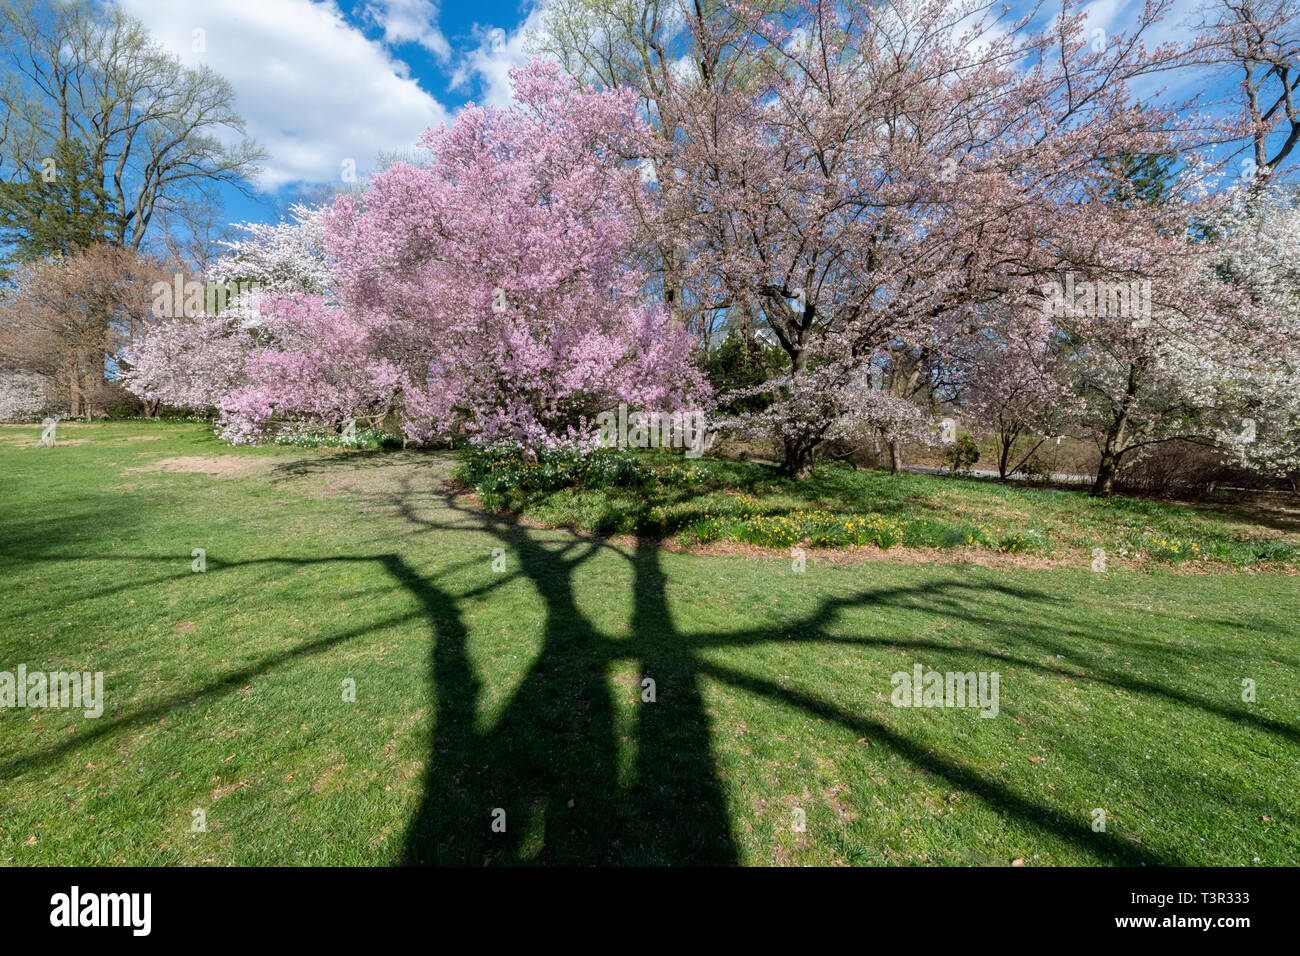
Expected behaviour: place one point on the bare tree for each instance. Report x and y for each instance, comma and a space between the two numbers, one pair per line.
76, 70
1260, 41
188, 235
639, 44
68, 319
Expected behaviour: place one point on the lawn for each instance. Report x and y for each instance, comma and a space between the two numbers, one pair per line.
499, 666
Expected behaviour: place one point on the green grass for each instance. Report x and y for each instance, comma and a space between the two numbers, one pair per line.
520, 689
696, 502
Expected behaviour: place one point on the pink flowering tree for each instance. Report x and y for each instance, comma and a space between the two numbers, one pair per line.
1018, 386
189, 363
857, 174
322, 371
489, 293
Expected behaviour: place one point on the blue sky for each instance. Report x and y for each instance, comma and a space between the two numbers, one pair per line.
325, 83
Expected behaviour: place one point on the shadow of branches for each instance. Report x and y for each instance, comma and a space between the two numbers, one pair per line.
550, 761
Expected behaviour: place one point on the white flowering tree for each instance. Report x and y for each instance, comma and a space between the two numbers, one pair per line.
1263, 258
23, 396
195, 362
287, 257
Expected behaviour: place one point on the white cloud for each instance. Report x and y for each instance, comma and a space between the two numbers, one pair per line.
1112, 17
1124, 16
313, 89
497, 53
410, 21
686, 68
985, 32
1108, 15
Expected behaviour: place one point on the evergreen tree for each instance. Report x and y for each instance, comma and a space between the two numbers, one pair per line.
1147, 178
57, 208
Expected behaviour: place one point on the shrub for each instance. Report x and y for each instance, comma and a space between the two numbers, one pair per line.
363, 438
961, 454
1036, 470
503, 478
1181, 469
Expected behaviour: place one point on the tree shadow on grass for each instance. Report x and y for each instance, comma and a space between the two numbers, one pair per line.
548, 767
549, 763
550, 760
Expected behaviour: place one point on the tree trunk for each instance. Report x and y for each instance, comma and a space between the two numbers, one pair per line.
895, 458
74, 393
797, 457
89, 389
1113, 446
1105, 482
797, 464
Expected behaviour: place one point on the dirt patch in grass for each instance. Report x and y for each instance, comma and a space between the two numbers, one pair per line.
980, 557
865, 554
222, 466
30, 435
1067, 554
364, 474
869, 554
1280, 511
